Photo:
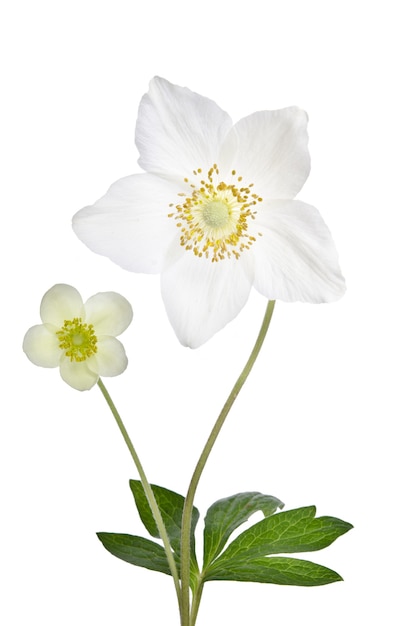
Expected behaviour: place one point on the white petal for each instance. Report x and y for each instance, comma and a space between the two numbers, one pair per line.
60, 303
111, 358
201, 297
77, 375
130, 223
109, 313
296, 258
270, 150
178, 130
41, 346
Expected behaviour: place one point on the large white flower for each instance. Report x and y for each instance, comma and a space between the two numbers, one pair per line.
215, 214
78, 337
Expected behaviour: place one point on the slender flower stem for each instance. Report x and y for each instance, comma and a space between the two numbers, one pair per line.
147, 490
189, 501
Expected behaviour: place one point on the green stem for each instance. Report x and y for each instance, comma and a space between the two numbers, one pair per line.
189, 501
148, 491
198, 592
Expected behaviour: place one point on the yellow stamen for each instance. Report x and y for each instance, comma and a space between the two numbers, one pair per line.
214, 217
77, 339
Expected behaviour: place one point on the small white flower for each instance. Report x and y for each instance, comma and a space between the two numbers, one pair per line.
215, 214
78, 337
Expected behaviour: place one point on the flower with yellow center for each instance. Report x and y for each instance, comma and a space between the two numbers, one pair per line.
215, 212
80, 338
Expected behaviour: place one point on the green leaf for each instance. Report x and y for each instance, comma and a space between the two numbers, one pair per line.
227, 514
276, 570
171, 507
290, 531
136, 550
145, 553
246, 558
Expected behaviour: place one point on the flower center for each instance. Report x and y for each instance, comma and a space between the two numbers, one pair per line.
216, 213
77, 340
214, 216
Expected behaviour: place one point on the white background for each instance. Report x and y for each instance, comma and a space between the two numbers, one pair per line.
325, 417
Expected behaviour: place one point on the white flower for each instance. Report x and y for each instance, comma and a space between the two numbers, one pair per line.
215, 214
80, 337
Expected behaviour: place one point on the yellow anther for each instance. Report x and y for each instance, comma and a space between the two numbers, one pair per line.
214, 217
77, 339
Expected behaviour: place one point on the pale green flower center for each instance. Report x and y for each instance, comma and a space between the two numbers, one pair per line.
216, 213
77, 339
214, 217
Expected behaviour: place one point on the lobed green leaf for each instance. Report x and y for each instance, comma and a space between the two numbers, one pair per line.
227, 514
291, 531
136, 550
248, 558
171, 506
276, 570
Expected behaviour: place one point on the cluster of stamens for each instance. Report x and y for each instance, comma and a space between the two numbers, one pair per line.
214, 216
77, 339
